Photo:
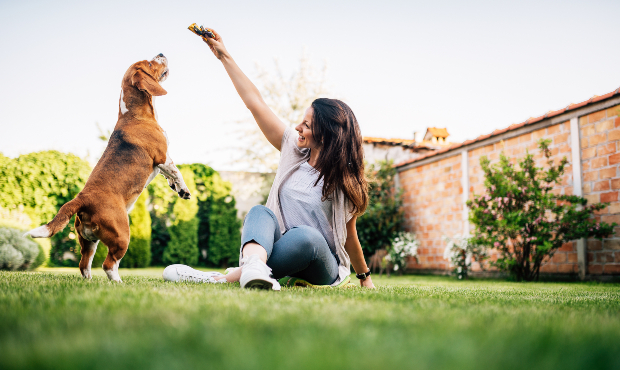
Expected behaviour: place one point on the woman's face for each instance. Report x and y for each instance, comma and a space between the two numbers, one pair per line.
305, 139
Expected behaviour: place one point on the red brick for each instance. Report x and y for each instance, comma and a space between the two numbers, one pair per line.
525, 138
549, 268
606, 149
595, 269
572, 257
604, 257
559, 258
614, 208
593, 198
608, 173
587, 131
587, 189
613, 244
538, 134
610, 219
554, 129
596, 116
611, 268
613, 111
512, 142
599, 162
594, 245
567, 268
561, 138
614, 135
566, 247
597, 139
615, 183
583, 120
605, 125
590, 176
609, 197
614, 159
601, 185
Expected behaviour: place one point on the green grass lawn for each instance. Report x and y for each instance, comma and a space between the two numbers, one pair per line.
53, 319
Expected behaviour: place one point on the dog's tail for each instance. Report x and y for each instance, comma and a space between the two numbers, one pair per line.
59, 222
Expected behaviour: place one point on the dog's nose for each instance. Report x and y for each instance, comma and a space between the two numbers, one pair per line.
160, 55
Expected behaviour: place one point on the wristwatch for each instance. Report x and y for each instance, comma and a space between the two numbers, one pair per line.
363, 275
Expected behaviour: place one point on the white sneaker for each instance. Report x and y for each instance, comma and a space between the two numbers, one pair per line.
256, 274
176, 273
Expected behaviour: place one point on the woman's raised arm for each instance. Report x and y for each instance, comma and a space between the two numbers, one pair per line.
271, 126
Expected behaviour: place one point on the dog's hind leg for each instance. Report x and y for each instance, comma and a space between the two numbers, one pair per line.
88, 250
116, 236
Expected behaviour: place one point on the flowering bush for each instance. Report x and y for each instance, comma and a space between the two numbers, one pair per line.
404, 245
523, 220
460, 251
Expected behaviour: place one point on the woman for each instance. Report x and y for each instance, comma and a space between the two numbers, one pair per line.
307, 230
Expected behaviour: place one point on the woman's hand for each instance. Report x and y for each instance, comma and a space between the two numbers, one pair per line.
367, 283
216, 45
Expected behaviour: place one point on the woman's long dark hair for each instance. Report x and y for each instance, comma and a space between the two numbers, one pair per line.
341, 160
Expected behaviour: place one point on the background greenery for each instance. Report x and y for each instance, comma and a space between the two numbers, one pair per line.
58, 320
34, 186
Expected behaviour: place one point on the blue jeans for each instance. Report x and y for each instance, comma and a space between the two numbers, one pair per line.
301, 252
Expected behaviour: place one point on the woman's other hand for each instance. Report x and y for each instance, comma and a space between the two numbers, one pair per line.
367, 283
216, 44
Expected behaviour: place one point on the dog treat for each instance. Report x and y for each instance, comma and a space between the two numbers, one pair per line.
201, 31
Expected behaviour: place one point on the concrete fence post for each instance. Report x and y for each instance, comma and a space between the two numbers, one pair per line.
465, 185
582, 262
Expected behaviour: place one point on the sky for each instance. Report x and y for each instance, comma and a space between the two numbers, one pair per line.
402, 66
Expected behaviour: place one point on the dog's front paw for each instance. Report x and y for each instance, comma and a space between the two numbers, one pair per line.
184, 193
173, 185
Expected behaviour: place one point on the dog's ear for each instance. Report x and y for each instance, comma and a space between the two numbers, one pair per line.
145, 82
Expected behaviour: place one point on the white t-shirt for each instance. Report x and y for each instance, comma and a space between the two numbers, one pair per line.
300, 203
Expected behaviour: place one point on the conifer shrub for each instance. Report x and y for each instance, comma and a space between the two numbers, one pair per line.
523, 220
139, 251
17, 252
380, 224
183, 245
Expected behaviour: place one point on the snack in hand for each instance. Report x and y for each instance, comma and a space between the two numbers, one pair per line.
201, 31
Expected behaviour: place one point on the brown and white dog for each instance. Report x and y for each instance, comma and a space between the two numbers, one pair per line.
137, 151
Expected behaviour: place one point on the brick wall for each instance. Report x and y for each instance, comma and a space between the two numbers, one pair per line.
433, 191
600, 132
433, 208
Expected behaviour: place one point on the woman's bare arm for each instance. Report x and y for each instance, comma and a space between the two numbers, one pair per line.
271, 126
355, 252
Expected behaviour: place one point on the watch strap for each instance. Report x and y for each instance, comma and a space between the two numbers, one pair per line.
363, 275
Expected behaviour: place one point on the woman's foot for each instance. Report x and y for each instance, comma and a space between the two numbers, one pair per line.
256, 274
176, 273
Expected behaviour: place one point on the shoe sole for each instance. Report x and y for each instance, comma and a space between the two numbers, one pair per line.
259, 284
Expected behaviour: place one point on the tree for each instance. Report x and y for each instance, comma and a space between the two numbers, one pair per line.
383, 218
183, 245
139, 251
288, 98
523, 219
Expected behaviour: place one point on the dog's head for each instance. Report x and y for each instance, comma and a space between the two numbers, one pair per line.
147, 75
142, 81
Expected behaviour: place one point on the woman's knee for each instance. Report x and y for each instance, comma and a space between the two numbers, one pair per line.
259, 212
309, 238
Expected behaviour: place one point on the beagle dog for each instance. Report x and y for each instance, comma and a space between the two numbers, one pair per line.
137, 151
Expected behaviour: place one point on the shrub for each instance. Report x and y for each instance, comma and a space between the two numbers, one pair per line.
17, 252
139, 251
523, 220
41, 183
183, 245
383, 219
225, 235
461, 251
404, 245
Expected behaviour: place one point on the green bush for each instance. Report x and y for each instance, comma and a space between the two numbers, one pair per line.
17, 252
39, 184
183, 245
383, 219
523, 220
225, 236
139, 251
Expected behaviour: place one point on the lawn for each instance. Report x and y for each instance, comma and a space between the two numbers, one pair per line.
52, 319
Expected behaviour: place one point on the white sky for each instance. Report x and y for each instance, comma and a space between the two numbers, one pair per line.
470, 66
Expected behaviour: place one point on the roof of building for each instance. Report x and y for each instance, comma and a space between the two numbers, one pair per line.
515, 126
438, 132
406, 143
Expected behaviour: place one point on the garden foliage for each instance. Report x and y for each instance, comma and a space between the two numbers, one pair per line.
139, 251
404, 246
17, 252
383, 219
461, 251
524, 220
39, 184
183, 245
